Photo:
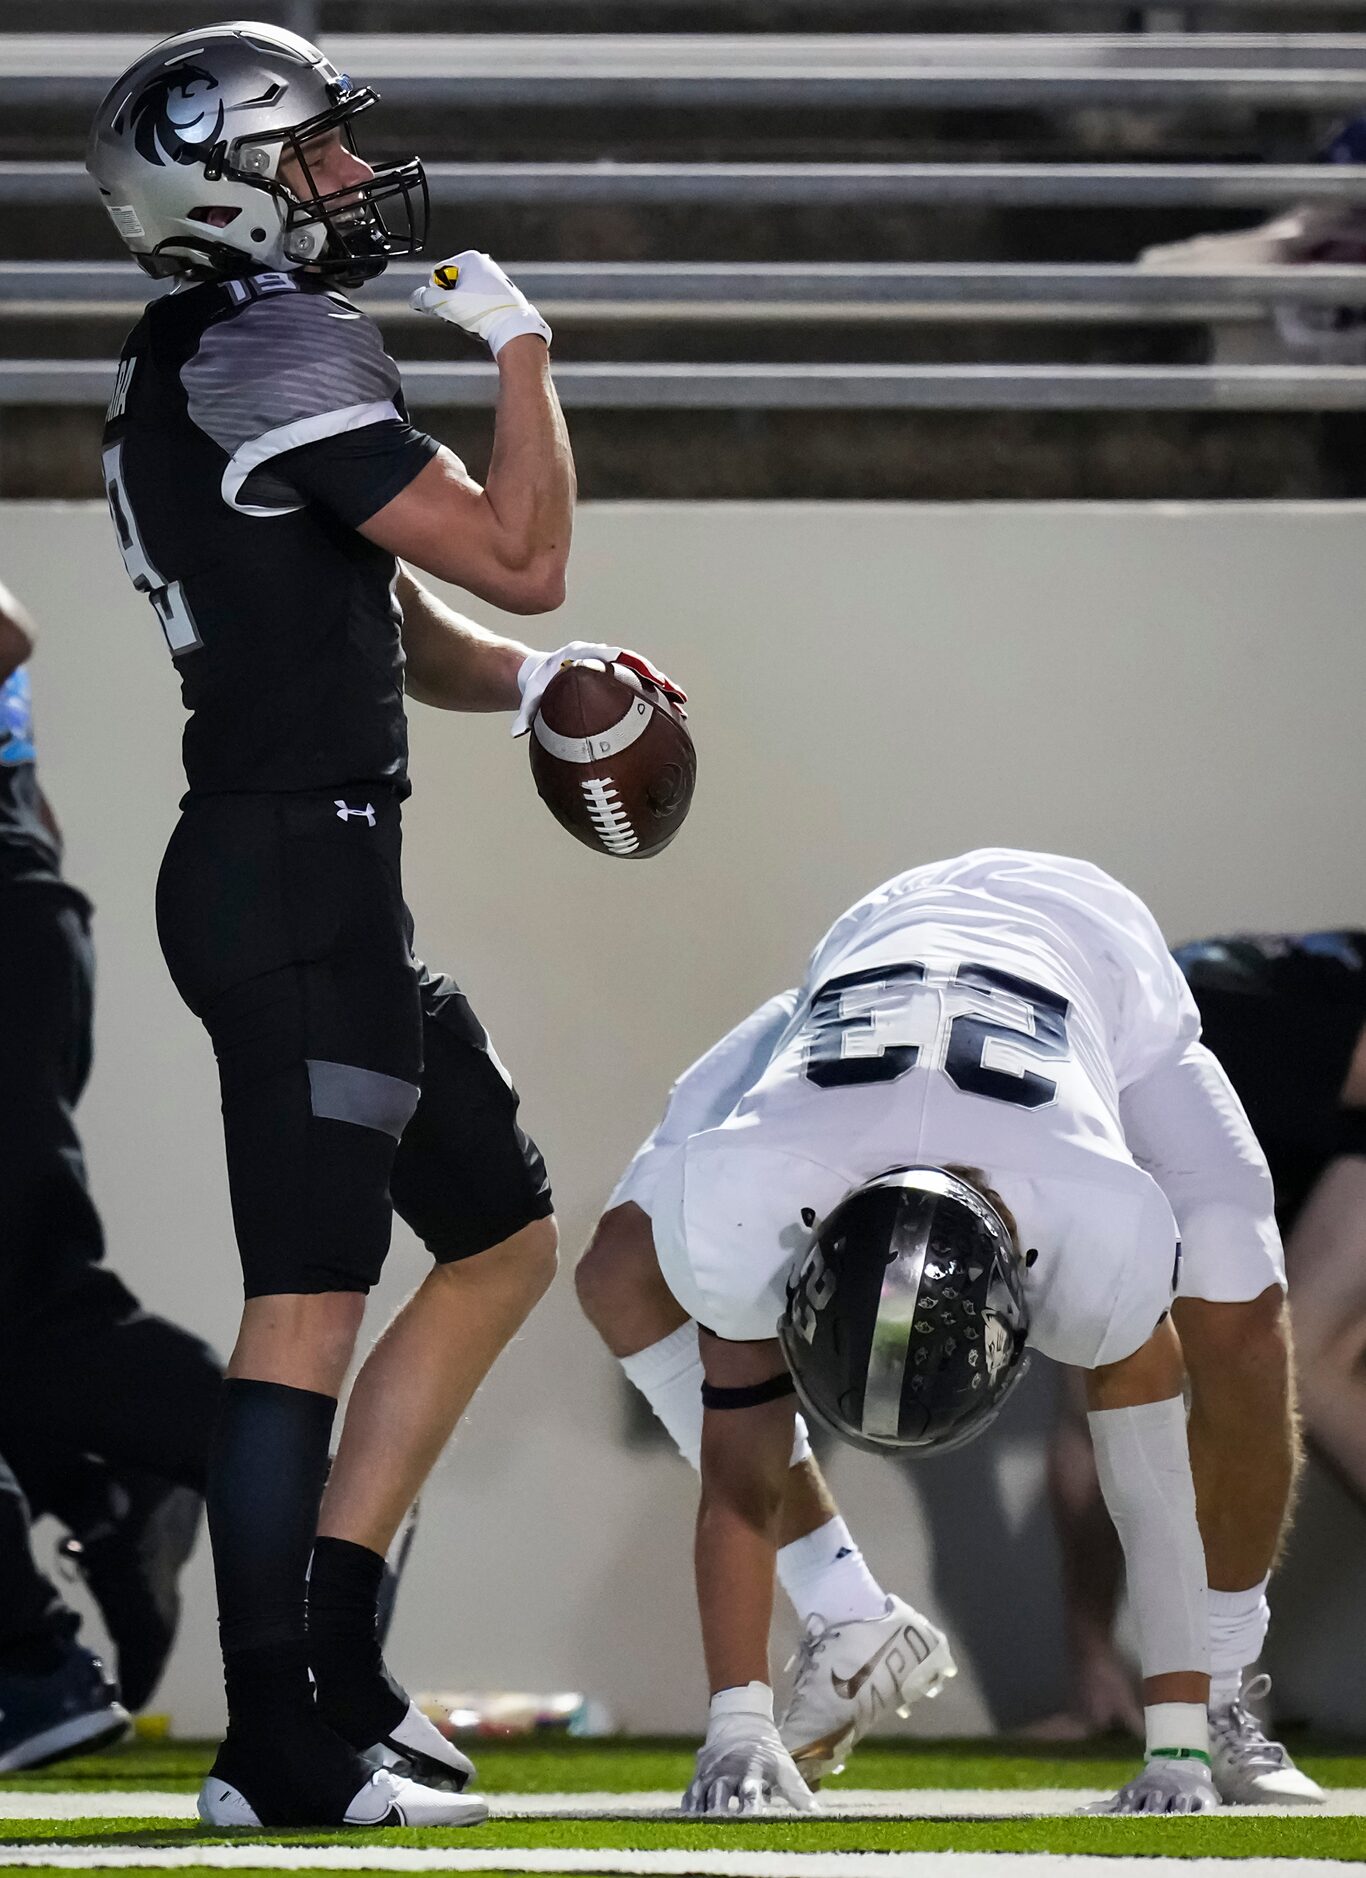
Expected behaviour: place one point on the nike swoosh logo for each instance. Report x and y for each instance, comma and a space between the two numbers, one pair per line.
846, 1691
393, 1816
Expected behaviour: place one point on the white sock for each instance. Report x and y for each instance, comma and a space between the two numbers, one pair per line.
669, 1376
1237, 1631
824, 1575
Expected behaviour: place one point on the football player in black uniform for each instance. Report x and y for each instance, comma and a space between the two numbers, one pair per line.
1286, 1016
267, 489
106, 1411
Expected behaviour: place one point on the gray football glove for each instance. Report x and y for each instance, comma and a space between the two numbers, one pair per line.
742, 1766
1164, 1786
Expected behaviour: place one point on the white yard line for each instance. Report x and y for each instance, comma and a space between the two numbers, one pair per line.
845, 1803
709, 1864
879, 1803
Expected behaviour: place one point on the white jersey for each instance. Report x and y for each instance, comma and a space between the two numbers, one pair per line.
989, 1012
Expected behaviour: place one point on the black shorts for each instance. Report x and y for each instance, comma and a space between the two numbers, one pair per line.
354, 1083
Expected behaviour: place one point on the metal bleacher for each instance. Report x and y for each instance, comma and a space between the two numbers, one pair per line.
767, 70
662, 135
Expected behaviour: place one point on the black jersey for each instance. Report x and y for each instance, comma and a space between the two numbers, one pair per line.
1283, 1014
255, 424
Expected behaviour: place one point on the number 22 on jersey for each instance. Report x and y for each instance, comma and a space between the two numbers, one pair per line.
861, 1027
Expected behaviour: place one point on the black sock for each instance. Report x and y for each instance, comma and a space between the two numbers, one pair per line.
266, 1472
356, 1694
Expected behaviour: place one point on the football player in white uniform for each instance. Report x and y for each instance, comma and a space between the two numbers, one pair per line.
984, 1117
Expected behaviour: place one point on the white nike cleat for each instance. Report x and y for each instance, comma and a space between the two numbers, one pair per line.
1250, 1769
855, 1673
418, 1749
385, 1800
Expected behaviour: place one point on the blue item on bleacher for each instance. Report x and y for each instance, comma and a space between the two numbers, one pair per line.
1347, 143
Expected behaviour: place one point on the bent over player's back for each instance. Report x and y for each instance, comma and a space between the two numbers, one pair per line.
1052, 921
983, 1012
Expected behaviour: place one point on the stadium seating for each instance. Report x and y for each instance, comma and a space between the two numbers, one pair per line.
791, 219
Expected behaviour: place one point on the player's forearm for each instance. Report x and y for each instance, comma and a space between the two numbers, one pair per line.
1335, 1427
531, 483
735, 1571
1327, 1255
1138, 1424
745, 1456
453, 663
1332, 1387
1092, 1563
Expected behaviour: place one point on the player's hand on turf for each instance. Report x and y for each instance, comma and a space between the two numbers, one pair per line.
472, 292
742, 1766
539, 668
1164, 1787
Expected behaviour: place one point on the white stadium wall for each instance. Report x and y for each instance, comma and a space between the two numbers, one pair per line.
1176, 693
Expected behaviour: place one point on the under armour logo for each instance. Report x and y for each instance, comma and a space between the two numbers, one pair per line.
366, 815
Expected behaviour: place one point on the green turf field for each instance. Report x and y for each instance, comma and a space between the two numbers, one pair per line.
601, 1769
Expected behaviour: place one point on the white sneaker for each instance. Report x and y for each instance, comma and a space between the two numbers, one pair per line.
384, 1800
416, 1748
1249, 1768
852, 1674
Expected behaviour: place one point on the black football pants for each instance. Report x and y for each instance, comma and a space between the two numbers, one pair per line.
355, 1083
84, 1370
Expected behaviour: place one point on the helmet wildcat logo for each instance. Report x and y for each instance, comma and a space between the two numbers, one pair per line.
177, 118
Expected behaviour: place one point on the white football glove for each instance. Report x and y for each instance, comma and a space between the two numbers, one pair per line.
538, 668
742, 1766
1164, 1786
472, 292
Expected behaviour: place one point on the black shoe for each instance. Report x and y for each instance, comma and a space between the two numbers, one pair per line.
303, 1775
73, 1709
132, 1564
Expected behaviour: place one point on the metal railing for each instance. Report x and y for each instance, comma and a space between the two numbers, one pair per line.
770, 70
640, 291
88, 382
994, 185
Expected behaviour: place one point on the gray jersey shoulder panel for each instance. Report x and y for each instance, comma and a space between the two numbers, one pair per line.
286, 360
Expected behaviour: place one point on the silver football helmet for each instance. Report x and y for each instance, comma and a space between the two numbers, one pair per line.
906, 1321
186, 150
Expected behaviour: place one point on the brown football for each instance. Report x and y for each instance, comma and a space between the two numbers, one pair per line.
612, 759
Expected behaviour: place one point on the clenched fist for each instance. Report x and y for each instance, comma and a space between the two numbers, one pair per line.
472, 292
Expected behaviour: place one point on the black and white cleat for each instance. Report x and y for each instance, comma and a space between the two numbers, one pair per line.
417, 1749
386, 1799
